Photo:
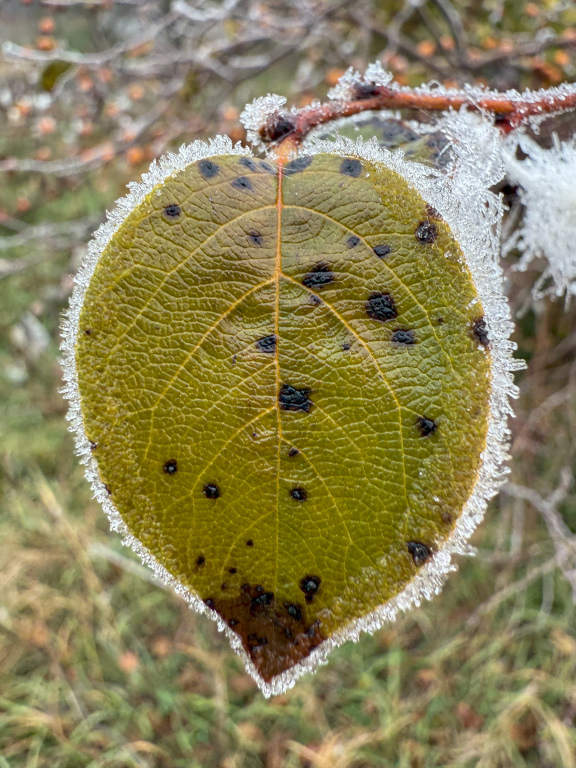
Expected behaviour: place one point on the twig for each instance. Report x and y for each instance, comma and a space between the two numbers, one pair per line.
510, 108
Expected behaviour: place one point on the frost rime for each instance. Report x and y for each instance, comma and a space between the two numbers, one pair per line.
547, 182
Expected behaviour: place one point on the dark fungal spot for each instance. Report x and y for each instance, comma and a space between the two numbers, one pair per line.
352, 241
403, 337
243, 184
87, 331
480, 331
293, 452
426, 426
232, 622
292, 399
267, 167
420, 552
210, 602
93, 446
172, 212
255, 237
346, 346
208, 169
249, 543
319, 276
224, 586
255, 642
299, 494
380, 306
266, 598
294, 611
211, 491
433, 213
232, 570
200, 560
108, 489
316, 300
309, 584
267, 344
295, 166
382, 250
351, 167
247, 162
171, 466
426, 232
440, 321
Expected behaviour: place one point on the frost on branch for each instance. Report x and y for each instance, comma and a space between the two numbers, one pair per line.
547, 189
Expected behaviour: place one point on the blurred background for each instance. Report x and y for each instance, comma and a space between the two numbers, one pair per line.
99, 666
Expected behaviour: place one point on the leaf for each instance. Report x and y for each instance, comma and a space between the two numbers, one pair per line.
284, 379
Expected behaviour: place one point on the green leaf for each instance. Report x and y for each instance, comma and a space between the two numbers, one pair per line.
284, 376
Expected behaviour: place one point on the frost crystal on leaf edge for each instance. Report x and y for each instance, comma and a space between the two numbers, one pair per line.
473, 214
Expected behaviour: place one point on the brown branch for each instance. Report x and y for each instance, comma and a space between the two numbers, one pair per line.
510, 110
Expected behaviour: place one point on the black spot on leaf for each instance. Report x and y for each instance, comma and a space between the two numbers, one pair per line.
232, 622
243, 184
255, 237
292, 399
210, 602
309, 585
171, 466
172, 212
426, 232
480, 331
351, 167
380, 306
295, 166
208, 169
266, 598
211, 491
87, 331
403, 337
426, 426
294, 611
382, 250
440, 321
232, 570
200, 560
267, 167
352, 241
319, 276
420, 552
346, 346
267, 344
93, 446
293, 452
249, 543
299, 494
108, 489
247, 162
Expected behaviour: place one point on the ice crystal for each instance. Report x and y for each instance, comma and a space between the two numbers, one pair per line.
256, 114
547, 188
375, 75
